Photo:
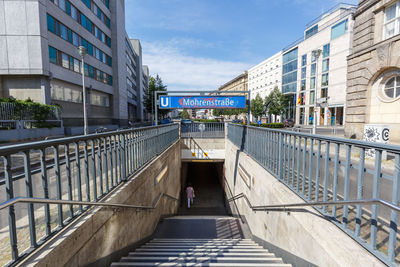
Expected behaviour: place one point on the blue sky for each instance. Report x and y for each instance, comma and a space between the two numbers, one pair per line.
201, 44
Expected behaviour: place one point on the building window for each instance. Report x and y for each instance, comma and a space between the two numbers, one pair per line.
304, 60
326, 51
310, 32
303, 72
324, 92
63, 32
312, 97
392, 87
339, 29
53, 55
312, 83
303, 85
325, 65
325, 79
392, 20
313, 68
51, 24
65, 61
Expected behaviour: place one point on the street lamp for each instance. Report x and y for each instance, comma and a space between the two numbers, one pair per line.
316, 53
82, 52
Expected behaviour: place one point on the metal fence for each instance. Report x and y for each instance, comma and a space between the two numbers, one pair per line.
321, 168
203, 130
8, 112
82, 168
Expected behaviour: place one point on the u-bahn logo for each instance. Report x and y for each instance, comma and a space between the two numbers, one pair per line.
164, 101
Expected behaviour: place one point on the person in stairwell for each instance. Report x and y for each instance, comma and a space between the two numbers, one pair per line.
190, 195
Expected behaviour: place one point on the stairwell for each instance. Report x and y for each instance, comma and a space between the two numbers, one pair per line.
200, 241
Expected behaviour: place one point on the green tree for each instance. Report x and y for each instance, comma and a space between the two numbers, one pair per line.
185, 114
155, 84
257, 106
275, 102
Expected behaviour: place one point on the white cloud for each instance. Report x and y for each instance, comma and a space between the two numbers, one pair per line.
183, 72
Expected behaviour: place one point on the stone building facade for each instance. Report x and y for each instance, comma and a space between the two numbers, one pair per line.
373, 83
239, 83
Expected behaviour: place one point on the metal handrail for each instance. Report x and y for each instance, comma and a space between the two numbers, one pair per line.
17, 200
341, 140
317, 203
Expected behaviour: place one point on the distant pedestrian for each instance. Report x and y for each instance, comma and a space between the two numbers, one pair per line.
189, 194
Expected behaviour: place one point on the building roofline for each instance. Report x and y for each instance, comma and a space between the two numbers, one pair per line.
262, 62
237, 77
330, 11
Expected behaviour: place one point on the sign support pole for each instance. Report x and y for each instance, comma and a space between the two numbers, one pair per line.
155, 108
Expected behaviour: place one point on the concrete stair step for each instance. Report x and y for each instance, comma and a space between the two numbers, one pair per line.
200, 239
202, 254
201, 246
203, 259
201, 250
197, 264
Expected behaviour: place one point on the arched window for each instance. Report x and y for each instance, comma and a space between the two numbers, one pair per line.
392, 87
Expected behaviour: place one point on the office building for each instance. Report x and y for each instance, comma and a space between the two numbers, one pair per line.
39, 58
314, 68
265, 76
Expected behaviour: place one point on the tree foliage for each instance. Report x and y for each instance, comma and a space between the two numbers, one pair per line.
155, 84
185, 114
229, 111
275, 102
257, 106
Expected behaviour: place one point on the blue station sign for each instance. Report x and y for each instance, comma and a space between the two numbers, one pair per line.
201, 102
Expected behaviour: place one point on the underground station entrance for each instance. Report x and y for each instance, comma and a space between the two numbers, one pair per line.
206, 180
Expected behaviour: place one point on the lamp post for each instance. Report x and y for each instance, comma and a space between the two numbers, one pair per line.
82, 52
316, 53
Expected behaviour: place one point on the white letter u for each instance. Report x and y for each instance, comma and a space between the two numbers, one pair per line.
164, 101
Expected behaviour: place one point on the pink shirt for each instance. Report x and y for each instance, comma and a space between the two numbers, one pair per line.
189, 192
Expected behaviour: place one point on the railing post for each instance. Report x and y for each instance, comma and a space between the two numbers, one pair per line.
78, 174
69, 180
393, 215
375, 195
280, 151
326, 174
12, 228
58, 185
45, 186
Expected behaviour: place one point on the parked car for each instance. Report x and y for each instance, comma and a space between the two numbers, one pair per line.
288, 123
166, 121
186, 121
237, 121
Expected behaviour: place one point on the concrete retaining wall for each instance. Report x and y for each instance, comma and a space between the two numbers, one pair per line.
22, 134
301, 238
104, 235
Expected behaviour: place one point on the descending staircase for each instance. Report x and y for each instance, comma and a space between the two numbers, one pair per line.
200, 252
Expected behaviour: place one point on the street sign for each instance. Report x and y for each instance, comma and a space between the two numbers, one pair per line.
202, 102
321, 100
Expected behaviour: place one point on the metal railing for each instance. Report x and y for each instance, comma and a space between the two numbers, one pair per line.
286, 207
320, 168
82, 168
203, 130
17, 200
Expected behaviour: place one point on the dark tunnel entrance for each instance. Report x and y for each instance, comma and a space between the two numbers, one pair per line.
206, 179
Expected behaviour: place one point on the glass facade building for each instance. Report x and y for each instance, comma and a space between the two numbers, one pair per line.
289, 71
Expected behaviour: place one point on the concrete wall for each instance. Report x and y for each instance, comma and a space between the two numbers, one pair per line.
203, 148
302, 238
22, 134
104, 235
